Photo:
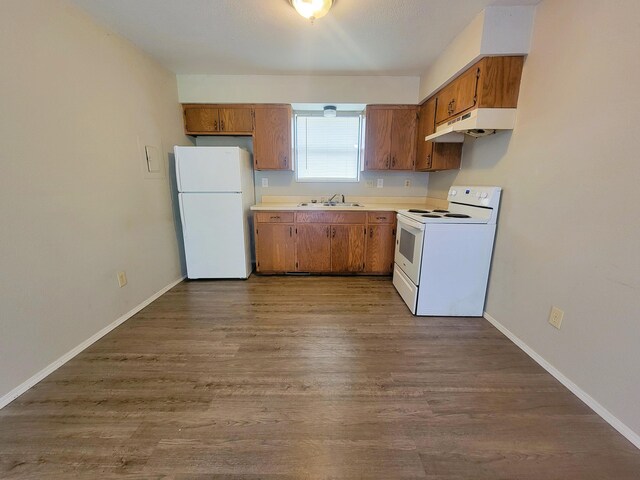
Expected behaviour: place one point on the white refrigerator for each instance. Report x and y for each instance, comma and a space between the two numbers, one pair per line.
215, 191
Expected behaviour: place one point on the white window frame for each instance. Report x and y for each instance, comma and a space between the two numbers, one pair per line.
319, 113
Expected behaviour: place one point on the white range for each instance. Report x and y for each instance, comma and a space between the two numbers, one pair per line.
443, 257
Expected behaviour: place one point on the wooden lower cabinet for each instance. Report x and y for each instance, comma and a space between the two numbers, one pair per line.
275, 247
313, 248
324, 242
347, 248
380, 248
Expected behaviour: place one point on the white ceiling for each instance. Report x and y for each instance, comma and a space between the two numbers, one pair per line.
357, 37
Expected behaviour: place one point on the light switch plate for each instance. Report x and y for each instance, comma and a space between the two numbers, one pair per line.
265, 182
153, 159
380, 183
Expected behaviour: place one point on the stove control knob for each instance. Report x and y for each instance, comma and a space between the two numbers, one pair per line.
485, 194
453, 193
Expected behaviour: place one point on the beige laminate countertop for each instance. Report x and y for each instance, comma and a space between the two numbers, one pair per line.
369, 204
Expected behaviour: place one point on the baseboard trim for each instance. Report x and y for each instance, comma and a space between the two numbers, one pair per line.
52, 367
606, 415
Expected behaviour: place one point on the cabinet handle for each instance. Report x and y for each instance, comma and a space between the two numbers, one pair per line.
222, 125
215, 125
429, 161
327, 232
393, 161
333, 233
371, 232
291, 231
275, 218
381, 218
285, 161
386, 163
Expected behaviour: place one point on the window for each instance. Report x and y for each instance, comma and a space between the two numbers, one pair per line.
328, 149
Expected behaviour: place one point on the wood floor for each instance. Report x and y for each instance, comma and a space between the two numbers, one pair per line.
304, 378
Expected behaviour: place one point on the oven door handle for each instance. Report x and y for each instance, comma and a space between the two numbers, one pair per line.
412, 224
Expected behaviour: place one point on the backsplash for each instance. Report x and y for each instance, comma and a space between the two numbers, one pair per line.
284, 183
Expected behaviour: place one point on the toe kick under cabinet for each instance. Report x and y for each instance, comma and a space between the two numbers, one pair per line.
343, 242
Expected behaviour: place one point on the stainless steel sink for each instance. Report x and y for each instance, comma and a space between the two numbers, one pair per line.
330, 204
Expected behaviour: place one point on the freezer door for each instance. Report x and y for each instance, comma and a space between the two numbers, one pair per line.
209, 169
215, 240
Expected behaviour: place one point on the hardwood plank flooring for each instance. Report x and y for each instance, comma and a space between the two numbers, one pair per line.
304, 378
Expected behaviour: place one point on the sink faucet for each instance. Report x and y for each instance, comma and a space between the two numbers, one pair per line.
334, 196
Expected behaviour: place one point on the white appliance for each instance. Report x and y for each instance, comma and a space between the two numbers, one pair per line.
443, 257
215, 186
476, 123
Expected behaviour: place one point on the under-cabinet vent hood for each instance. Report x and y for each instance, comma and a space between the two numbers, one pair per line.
477, 123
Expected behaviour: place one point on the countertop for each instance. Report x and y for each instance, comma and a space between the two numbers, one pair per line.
369, 204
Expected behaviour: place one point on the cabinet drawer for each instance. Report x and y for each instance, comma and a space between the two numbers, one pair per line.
331, 217
274, 217
381, 217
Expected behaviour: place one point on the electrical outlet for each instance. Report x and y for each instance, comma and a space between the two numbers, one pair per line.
265, 182
380, 183
122, 279
369, 183
407, 183
555, 317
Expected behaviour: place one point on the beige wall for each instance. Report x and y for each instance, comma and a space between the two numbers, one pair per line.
569, 233
75, 206
328, 89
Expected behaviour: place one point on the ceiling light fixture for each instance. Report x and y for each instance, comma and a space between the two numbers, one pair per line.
330, 111
312, 9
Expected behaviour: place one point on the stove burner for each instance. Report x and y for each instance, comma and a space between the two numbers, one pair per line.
431, 215
457, 215
441, 211
414, 210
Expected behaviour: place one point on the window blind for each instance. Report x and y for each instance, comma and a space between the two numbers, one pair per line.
327, 148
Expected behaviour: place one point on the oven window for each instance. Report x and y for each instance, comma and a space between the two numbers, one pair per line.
407, 244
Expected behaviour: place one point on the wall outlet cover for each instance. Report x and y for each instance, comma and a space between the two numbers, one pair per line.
407, 182
555, 317
380, 183
265, 182
122, 279
369, 183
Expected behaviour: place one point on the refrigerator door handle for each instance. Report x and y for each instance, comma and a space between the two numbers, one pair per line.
183, 220
177, 163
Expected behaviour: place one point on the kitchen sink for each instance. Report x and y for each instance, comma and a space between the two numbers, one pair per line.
330, 204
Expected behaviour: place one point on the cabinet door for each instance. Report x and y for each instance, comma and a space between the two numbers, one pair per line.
200, 119
458, 96
236, 120
403, 138
380, 248
426, 126
313, 248
347, 248
272, 137
377, 149
275, 247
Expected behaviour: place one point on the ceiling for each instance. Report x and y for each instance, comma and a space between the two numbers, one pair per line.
357, 37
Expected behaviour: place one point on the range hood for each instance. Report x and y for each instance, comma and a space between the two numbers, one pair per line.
477, 123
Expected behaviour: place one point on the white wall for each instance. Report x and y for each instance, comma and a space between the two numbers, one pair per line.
568, 232
328, 89
75, 206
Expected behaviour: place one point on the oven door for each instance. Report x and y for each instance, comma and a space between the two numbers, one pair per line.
409, 247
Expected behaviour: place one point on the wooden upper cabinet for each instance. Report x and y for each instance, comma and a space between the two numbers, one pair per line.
207, 119
377, 149
236, 120
200, 119
434, 156
347, 248
493, 82
390, 137
403, 138
272, 137
458, 96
